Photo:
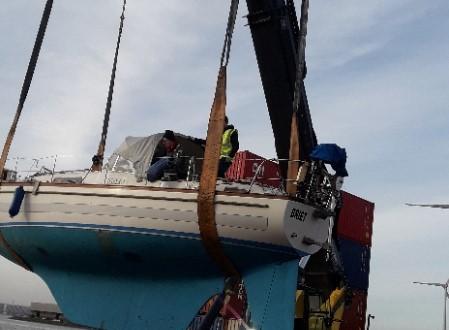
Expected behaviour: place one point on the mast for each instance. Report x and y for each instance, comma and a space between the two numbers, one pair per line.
97, 160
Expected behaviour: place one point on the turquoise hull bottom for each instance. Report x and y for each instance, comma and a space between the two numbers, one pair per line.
120, 280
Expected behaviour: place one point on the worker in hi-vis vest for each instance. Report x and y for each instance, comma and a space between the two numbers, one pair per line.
229, 147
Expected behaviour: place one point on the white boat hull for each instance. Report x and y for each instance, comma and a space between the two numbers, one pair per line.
271, 221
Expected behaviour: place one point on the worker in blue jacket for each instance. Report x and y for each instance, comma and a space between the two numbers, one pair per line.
164, 157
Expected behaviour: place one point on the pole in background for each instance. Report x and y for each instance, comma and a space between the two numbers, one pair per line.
370, 316
446, 297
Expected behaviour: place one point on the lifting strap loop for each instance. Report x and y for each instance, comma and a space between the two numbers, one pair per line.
293, 164
27, 82
97, 160
208, 180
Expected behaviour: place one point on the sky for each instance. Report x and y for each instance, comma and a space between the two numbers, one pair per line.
377, 83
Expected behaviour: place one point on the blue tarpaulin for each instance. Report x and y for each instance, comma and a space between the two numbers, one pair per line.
333, 155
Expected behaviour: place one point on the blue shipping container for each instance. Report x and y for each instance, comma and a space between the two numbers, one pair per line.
355, 258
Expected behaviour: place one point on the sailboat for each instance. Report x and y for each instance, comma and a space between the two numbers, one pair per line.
120, 252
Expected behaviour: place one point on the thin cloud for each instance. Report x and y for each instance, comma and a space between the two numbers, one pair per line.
377, 85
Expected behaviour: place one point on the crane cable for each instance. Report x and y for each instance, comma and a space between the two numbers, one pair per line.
97, 160
208, 180
294, 152
225, 53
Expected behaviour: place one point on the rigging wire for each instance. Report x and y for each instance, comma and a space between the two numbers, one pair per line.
97, 160
27, 82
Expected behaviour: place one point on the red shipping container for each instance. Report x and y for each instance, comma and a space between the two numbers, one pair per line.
356, 219
244, 167
354, 315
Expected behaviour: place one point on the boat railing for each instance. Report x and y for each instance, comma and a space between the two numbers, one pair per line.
314, 184
24, 168
258, 170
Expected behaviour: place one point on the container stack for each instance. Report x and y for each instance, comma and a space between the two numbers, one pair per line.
354, 230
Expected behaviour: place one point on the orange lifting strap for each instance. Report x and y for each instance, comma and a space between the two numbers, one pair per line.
293, 164
208, 181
